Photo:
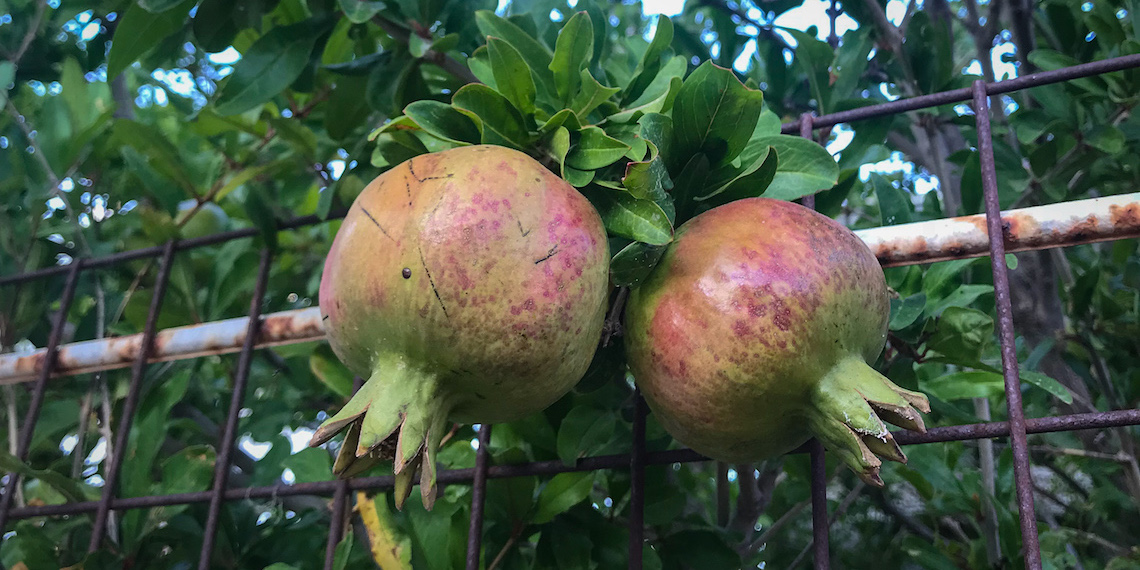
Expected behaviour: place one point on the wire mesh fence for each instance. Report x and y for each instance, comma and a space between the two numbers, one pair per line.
993, 234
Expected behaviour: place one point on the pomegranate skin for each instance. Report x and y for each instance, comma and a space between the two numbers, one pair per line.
754, 332
469, 284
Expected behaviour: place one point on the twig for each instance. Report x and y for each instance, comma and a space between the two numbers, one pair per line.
839, 511
989, 509
33, 29
516, 533
612, 326
439, 59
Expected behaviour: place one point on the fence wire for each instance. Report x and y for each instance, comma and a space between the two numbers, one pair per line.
1017, 428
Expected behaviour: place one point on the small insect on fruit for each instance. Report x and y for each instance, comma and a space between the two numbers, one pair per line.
755, 331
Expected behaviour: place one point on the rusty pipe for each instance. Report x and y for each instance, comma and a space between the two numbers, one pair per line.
1039, 227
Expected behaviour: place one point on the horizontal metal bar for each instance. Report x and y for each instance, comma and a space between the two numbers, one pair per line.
180, 245
1094, 420
218, 337
1039, 227
966, 93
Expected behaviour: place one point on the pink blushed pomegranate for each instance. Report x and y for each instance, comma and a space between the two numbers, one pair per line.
467, 285
755, 331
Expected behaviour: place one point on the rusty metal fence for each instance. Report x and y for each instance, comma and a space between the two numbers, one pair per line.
994, 234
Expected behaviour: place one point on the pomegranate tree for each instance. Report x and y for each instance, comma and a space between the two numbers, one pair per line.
467, 285
755, 331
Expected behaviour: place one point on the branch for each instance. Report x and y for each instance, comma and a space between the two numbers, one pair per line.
33, 29
439, 59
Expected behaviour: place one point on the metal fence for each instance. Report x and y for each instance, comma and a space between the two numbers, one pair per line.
993, 234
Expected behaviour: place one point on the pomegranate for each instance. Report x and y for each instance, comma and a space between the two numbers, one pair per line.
467, 285
755, 331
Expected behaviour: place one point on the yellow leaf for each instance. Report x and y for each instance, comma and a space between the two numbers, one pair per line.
390, 550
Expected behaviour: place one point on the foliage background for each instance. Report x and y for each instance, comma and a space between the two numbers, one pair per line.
125, 124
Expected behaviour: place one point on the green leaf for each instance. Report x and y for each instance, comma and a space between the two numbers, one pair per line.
595, 149
343, 551
560, 145
748, 182
215, 25
190, 470
418, 45
584, 431
965, 385
577, 178
590, 95
805, 167
158, 6
658, 97
139, 31
443, 121
499, 120
270, 65
962, 334
346, 109
905, 312
1048, 384
536, 55
395, 147
562, 492
939, 274
564, 117
67, 487
649, 65
634, 263
330, 371
360, 11
259, 207
894, 203
648, 180
626, 216
714, 113
310, 465
166, 194
572, 52
7, 76
512, 76
963, 296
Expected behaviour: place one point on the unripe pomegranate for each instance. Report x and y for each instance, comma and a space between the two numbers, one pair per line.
755, 331
467, 285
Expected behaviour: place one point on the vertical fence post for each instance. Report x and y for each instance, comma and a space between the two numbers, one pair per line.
819, 523
339, 505
226, 445
637, 482
478, 498
1018, 440
119, 450
25, 442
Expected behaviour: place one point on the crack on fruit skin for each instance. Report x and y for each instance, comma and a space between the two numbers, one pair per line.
553, 251
521, 232
432, 282
378, 226
412, 169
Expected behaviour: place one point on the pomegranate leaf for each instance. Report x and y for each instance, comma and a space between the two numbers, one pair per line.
709, 111
562, 492
572, 52
512, 76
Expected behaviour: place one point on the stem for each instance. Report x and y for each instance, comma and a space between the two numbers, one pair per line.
989, 510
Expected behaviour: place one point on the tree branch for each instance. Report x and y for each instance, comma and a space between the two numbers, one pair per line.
439, 59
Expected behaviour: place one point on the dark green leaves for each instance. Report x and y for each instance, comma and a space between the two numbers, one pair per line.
360, 11
536, 55
634, 263
499, 122
270, 65
562, 492
714, 113
805, 167
572, 53
443, 121
512, 76
595, 149
629, 217
140, 31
